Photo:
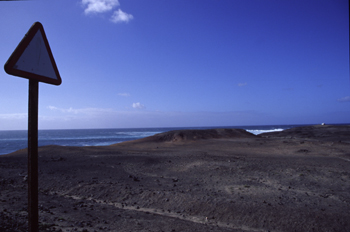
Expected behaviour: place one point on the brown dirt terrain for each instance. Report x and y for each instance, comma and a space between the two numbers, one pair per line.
207, 180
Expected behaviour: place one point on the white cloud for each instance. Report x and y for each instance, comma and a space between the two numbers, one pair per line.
137, 105
69, 110
99, 6
80, 111
119, 16
242, 84
15, 121
124, 94
14, 116
344, 99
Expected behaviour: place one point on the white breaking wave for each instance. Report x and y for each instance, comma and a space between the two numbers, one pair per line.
256, 132
137, 134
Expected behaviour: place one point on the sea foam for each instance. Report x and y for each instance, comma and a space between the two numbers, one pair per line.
256, 132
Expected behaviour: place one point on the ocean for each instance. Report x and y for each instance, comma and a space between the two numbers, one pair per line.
14, 140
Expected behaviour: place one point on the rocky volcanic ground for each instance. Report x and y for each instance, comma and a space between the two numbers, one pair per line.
210, 180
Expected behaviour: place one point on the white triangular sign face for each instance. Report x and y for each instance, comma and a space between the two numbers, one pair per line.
33, 59
36, 59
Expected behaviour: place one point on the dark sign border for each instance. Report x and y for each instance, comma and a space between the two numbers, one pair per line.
11, 62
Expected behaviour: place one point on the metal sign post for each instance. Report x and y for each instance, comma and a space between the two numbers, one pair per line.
33, 213
33, 59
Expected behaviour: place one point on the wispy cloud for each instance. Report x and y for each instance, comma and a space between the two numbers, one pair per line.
99, 6
344, 99
14, 116
242, 84
80, 111
124, 94
120, 16
137, 105
102, 6
14, 121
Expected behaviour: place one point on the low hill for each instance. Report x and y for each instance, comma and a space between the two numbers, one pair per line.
195, 135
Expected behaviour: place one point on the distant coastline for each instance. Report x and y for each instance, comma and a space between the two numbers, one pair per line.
14, 140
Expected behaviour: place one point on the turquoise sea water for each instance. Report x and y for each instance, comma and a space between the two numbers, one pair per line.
11, 141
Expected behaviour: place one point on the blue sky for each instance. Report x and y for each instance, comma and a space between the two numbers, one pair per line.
156, 63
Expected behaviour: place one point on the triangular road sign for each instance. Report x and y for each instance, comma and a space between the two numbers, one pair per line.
32, 59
